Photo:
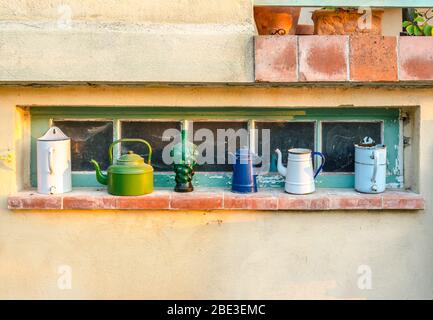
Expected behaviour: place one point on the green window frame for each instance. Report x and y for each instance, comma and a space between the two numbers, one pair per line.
42, 118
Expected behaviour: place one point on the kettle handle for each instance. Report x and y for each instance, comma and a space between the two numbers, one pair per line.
321, 165
110, 150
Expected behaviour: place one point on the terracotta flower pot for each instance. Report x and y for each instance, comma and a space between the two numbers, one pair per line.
272, 20
346, 22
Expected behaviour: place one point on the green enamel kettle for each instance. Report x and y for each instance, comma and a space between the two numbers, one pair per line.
130, 175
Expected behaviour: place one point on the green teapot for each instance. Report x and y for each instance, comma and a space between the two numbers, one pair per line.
130, 176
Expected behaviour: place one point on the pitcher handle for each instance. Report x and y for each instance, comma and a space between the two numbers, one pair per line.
51, 160
321, 164
110, 150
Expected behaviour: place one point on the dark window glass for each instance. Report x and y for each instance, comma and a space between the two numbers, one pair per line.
216, 140
339, 138
152, 132
284, 136
89, 140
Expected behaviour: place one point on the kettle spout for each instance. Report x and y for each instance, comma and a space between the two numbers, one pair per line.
102, 178
281, 169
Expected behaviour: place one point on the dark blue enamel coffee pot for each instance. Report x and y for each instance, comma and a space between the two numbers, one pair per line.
244, 179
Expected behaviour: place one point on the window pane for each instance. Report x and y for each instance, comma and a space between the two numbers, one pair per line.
339, 138
89, 140
217, 136
284, 136
152, 132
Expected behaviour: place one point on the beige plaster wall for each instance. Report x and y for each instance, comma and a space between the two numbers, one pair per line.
216, 254
129, 11
133, 40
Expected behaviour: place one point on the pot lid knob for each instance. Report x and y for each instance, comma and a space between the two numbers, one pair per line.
130, 158
367, 142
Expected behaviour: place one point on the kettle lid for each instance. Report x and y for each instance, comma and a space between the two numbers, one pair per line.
130, 159
367, 142
54, 134
130, 163
243, 151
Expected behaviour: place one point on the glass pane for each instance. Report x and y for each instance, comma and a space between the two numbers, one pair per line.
152, 132
89, 140
339, 138
215, 140
284, 136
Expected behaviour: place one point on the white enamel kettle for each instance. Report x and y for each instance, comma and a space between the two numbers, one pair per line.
54, 162
299, 172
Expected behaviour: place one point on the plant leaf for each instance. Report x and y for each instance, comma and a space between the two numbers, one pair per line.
406, 24
428, 30
419, 19
410, 29
417, 31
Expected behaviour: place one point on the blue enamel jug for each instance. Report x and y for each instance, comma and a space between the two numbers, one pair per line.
244, 179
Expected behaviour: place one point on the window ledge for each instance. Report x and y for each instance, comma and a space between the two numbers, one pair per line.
218, 199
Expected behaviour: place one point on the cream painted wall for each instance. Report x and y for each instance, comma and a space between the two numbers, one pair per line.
188, 254
215, 254
126, 41
129, 11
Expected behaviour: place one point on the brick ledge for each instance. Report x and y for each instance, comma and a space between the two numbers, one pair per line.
218, 199
343, 59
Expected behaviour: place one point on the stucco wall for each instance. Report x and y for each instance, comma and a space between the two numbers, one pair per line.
213, 255
188, 254
118, 41
130, 11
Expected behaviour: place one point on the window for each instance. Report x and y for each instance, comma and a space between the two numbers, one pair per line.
284, 136
219, 132
332, 131
90, 140
338, 139
152, 132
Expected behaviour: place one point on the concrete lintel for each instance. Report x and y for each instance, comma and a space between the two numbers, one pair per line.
43, 55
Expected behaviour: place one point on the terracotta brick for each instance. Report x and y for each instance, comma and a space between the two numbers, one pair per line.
276, 59
156, 200
303, 202
254, 201
322, 199
323, 58
402, 201
35, 201
197, 200
305, 29
355, 202
416, 58
82, 202
373, 58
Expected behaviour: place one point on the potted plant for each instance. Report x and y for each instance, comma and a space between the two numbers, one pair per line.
276, 20
418, 23
346, 21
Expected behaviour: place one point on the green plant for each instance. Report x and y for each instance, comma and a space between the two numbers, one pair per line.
418, 23
340, 8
